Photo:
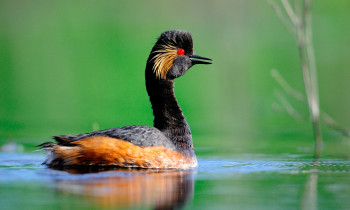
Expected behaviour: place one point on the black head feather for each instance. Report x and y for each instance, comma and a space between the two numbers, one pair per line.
177, 38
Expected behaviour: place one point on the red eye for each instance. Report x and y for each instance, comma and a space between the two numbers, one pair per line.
181, 51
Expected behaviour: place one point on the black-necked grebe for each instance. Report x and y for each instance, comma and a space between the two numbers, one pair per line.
166, 145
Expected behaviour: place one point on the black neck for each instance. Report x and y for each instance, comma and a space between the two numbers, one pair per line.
168, 116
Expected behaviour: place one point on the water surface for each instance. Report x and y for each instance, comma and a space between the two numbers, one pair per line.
244, 181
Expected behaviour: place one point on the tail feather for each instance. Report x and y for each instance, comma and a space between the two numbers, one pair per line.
62, 139
47, 144
66, 139
62, 156
59, 156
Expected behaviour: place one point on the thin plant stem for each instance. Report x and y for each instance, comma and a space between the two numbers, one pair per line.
285, 20
312, 73
290, 12
307, 60
287, 106
286, 87
324, 117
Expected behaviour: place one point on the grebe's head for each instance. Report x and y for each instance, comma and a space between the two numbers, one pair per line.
173, 55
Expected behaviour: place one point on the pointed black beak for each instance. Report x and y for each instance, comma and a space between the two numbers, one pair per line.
194, 56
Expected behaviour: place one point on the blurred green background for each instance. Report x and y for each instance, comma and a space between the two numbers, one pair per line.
67, 67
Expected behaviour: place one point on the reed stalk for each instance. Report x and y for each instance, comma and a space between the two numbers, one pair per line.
300, 26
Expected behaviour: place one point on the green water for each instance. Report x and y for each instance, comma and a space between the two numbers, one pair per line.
247, 181
69, 67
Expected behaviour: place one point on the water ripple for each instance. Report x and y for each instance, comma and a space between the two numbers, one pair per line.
27, 167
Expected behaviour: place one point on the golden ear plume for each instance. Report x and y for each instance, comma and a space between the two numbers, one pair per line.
164, 59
